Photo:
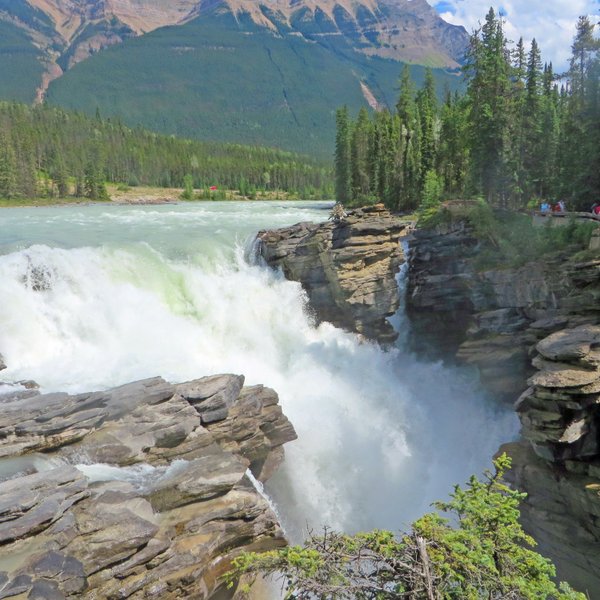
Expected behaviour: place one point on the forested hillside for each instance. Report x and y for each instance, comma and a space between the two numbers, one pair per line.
47, 151
223, 77
520, 132
268, 73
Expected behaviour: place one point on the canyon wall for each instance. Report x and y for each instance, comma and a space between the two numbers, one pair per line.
347, 268
532, 333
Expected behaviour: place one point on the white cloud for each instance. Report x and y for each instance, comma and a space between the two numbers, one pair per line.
550, 22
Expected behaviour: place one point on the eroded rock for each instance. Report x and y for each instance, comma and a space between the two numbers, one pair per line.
347, 268
166, 513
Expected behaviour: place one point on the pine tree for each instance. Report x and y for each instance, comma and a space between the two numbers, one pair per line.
580, 129
342, 156
360, 157
427, 108
533, 154
8, 180
489, 92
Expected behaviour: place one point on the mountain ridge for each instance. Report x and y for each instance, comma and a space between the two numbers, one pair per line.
67, 32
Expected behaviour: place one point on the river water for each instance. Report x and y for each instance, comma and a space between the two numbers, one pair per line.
96, 296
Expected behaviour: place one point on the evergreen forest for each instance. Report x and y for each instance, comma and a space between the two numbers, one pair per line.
520, 132
46, 151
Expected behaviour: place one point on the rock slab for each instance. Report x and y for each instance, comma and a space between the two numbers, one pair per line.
142, 491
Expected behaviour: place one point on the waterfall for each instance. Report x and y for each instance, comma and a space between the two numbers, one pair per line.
381, 434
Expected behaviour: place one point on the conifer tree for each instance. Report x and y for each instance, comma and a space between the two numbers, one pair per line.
534, 153
8, 186
489, 91
427, 109
342, 156
360, 156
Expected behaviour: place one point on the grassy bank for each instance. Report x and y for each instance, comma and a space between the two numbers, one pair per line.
509, 238
151, 195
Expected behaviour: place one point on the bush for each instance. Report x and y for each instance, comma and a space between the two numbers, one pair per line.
479, 552
188, 188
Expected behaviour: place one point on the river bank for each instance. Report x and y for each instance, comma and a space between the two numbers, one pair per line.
143, 195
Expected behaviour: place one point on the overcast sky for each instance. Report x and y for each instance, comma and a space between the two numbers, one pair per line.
550, 22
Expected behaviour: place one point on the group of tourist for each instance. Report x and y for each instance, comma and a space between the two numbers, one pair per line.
555, 207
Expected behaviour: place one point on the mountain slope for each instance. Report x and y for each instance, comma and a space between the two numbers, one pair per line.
222, 76
66, 32
267, 72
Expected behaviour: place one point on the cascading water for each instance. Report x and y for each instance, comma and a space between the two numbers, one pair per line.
95, 297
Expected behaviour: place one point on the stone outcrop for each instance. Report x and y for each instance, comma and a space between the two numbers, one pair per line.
492, 318
142, 491
561, 511
533, 328
560, 416
348, 268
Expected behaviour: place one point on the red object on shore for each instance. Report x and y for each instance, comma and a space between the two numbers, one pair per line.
213, 188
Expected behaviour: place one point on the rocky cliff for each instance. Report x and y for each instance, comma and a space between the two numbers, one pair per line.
533, 334
142, 491
493, 317
348, 268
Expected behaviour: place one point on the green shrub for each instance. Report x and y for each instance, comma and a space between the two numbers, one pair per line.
188, 188
478, 552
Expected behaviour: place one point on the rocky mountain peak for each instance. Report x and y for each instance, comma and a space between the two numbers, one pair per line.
407, 30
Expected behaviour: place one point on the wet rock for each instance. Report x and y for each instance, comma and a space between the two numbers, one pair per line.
30, 504
213, 396
167, 512
347, 268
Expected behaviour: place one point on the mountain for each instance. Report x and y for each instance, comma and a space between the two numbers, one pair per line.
237, 70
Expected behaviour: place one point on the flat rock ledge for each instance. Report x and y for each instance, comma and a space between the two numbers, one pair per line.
560, 411
348, 269
142, 491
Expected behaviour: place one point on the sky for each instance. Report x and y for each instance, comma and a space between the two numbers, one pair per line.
550, 22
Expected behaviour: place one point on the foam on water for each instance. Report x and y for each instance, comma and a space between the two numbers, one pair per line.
381, 435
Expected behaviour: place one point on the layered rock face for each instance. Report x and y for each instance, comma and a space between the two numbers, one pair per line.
348, 268
534, 328
560, 414
492, 318
168, 507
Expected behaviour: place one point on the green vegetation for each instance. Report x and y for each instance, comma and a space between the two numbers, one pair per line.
510, 239
514, 137
21, 72
479, 552
47, 152
227, 79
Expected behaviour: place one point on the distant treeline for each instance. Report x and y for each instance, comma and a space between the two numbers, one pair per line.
518, 134
47, 151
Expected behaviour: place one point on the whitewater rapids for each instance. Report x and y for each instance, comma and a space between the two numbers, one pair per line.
94, 297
